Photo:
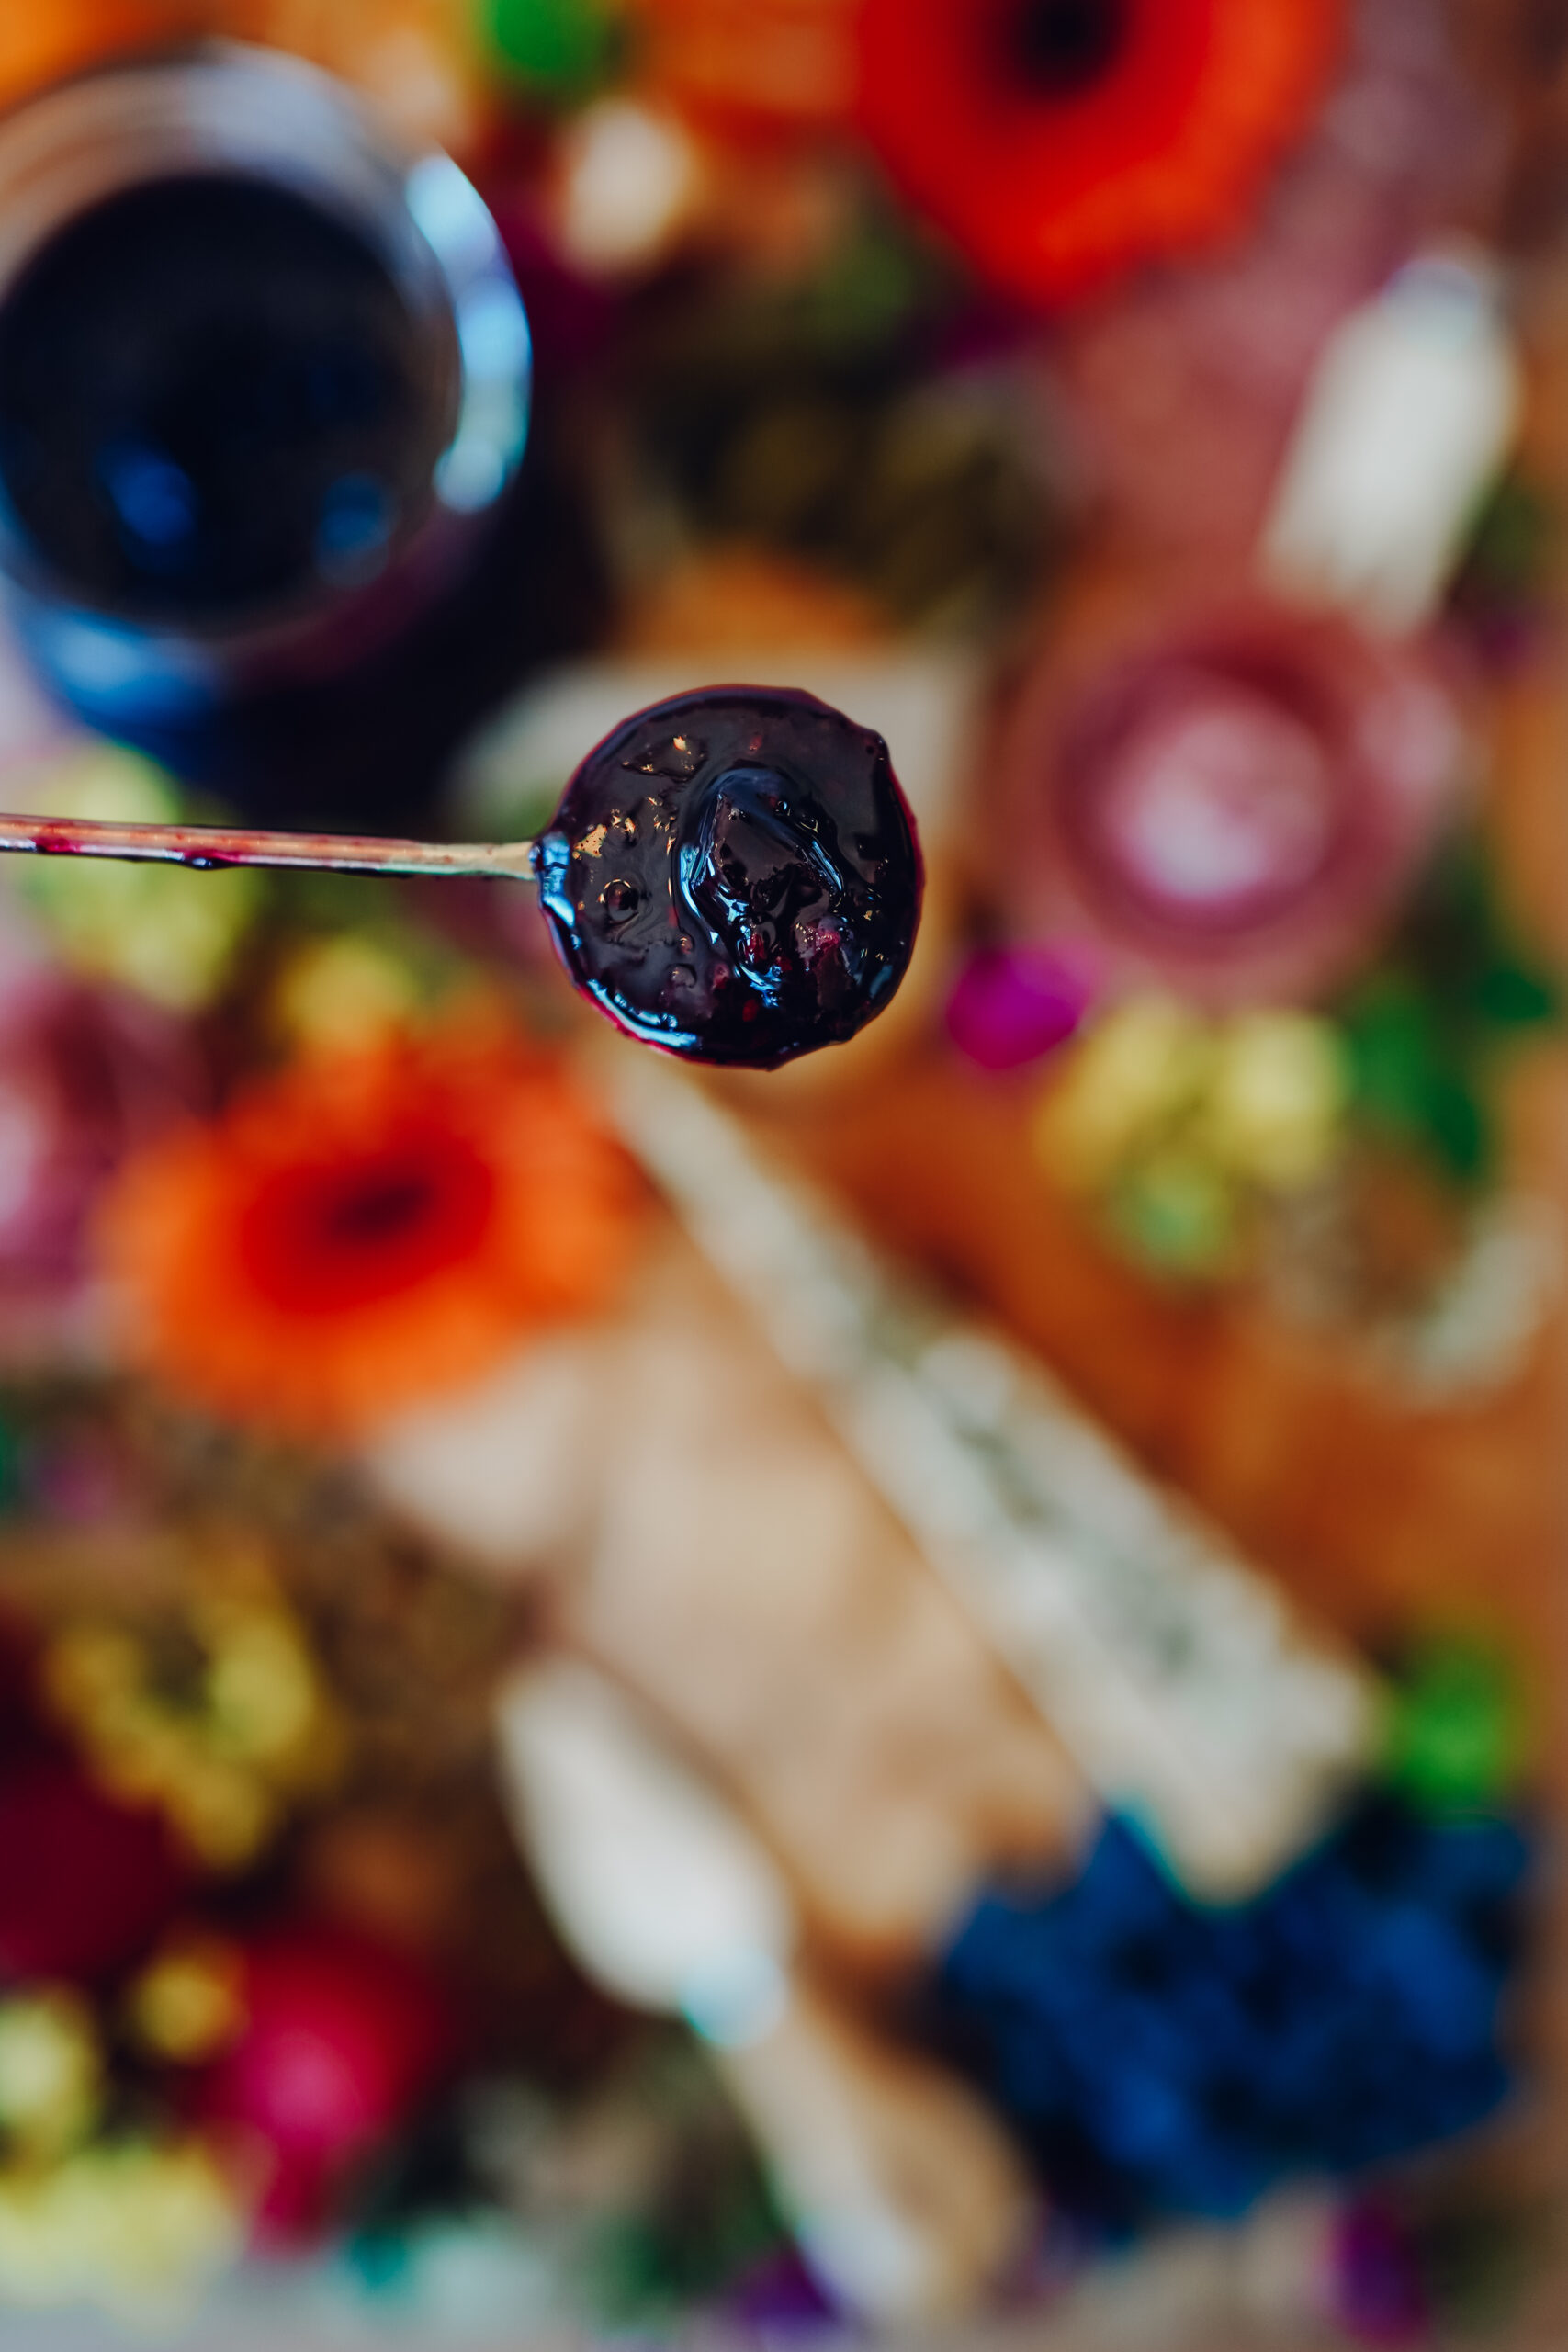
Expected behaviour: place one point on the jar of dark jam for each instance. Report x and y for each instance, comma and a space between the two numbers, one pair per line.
264, 387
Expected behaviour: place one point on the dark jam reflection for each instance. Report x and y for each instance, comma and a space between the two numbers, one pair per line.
735, 876
214, 400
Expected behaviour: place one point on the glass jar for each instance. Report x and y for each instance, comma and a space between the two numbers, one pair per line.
264, 389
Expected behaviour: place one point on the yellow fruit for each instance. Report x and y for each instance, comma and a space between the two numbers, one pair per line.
1276, 1097
1132, 1079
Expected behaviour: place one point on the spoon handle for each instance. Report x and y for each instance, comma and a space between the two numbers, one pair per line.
219, 845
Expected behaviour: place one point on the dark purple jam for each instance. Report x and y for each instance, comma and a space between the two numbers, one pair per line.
734, 875
214, 400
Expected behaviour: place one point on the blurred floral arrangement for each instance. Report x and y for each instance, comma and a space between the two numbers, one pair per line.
860, 324
1184, 1127
272, 1974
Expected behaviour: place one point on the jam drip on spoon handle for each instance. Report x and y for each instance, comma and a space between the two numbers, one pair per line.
208, 846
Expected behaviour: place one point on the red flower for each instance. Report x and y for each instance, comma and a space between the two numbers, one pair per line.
84, 1882
1060, 141
341, 2039
365, 1230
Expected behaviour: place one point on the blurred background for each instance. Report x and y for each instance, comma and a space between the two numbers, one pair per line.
918, 1695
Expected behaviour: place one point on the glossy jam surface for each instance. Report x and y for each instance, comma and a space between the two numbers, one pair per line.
214, 400
735, 875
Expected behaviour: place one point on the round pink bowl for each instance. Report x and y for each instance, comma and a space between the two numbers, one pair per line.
1233, 808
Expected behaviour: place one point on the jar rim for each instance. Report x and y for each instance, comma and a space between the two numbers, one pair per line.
229, 110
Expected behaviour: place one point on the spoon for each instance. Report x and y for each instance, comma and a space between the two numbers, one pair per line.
208, 847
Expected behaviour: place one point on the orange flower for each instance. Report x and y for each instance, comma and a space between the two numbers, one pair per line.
1060, 141
365, 1230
